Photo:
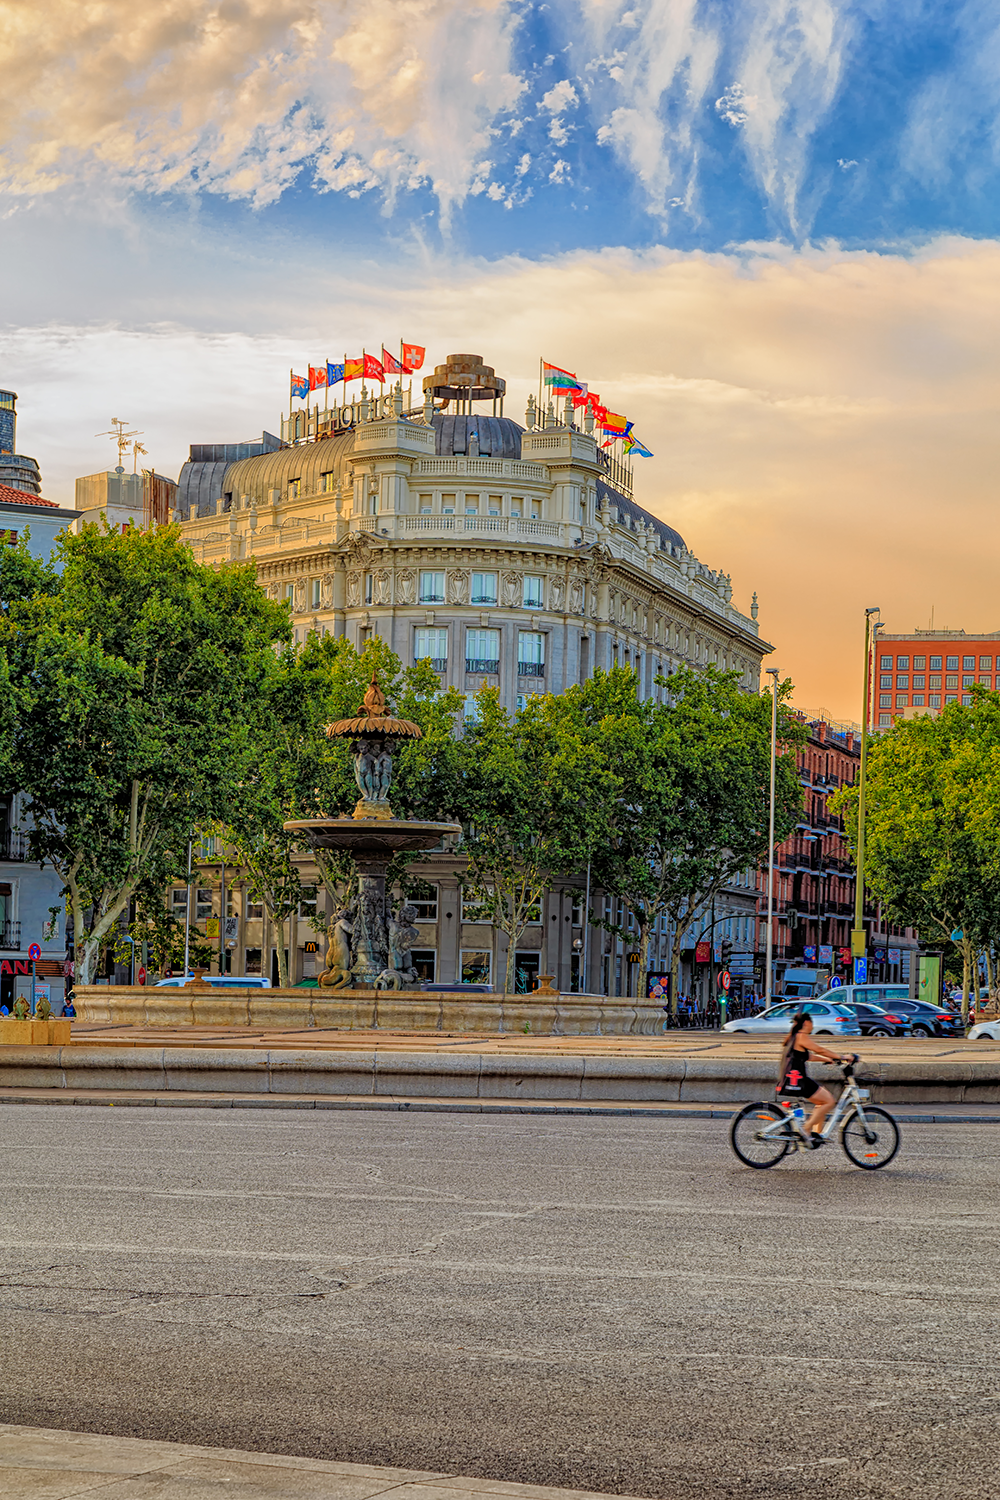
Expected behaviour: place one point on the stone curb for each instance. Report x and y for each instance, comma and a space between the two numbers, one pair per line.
148, 1099
484, 1076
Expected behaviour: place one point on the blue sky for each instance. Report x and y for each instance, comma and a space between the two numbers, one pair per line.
767, 230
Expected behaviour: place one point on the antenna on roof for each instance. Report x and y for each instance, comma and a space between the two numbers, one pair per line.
121, 438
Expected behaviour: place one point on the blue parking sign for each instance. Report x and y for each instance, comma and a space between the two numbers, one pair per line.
860, 970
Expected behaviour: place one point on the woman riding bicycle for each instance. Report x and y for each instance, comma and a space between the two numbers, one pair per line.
795, 1080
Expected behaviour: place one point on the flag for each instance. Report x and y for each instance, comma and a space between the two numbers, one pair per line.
614, 426
317, 377
560, 380
591, 401
334, 373
391, 364
300, 386
633, 445
372, 368
412, 357
354, 369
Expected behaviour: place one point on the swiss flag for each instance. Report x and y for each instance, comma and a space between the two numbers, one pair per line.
413, 357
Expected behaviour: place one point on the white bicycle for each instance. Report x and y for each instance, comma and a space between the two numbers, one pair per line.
762, 1134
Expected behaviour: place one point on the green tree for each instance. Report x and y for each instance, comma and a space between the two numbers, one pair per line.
691, 809
137, 687
529, 798
932, 842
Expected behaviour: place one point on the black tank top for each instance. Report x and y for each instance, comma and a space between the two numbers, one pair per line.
796, 1070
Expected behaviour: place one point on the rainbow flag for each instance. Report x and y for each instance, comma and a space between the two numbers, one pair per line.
560, 380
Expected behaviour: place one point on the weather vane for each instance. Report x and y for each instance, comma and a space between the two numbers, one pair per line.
119, 436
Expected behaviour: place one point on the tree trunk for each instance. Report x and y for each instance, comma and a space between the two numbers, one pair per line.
279, 923
968, 974
989, 969
642, 966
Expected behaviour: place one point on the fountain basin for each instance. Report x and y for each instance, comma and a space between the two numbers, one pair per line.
371, 836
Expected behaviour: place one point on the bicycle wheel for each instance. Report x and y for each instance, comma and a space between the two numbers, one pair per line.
874, 1147
746, 1140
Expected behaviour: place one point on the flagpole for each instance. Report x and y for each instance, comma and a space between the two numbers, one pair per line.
540, 387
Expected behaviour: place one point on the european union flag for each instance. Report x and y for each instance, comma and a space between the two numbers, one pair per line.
334, 373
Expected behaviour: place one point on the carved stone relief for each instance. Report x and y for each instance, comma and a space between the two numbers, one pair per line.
353, 590
511, 590
326, 591
381, 587
299, 595
557, 594
576, 596
458, 586
406, 586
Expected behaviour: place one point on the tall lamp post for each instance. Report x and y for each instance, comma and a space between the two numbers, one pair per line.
768, 977
872, 627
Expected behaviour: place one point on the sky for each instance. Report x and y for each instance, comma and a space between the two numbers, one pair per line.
767, 231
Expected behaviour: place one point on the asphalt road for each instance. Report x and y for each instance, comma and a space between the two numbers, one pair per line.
599, 1304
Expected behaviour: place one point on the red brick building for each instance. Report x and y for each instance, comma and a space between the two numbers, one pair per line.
814, 874
924, 671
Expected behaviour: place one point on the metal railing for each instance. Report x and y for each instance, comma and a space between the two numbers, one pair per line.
13, 846
438, 663
10, 935
531, 669
480, 664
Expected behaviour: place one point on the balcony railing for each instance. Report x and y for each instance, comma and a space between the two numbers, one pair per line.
531, 669
480, 664
10, 935
13, 846
438, 663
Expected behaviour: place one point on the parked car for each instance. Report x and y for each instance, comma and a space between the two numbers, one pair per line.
827, 1019
985, 1031
217, 981
930, 1020
875, 1020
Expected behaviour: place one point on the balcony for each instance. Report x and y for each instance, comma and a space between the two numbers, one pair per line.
531, 669
479, 664
13, 846
10, 935
438, 663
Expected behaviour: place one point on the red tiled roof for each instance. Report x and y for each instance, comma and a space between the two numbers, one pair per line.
10, 496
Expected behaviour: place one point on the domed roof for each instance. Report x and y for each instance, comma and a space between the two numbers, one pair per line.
498, 437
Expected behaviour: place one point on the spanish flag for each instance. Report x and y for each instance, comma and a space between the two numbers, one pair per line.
354, 369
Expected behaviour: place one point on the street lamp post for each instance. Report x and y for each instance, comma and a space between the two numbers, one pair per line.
858, 933
768, 978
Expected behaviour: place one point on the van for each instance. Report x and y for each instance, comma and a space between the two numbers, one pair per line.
217, 981
804, 984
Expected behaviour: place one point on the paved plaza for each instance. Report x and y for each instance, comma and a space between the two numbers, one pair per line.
609, 1305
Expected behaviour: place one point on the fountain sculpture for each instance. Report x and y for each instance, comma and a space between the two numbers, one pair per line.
369, 946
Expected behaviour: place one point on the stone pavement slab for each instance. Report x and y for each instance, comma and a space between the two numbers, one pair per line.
933, 1114
45, 1464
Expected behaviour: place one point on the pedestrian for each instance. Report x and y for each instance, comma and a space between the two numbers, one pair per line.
68, 1008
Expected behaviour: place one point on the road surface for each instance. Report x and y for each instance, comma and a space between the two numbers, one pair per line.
610, 1305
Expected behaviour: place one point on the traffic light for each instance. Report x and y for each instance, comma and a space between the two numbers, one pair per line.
727, 952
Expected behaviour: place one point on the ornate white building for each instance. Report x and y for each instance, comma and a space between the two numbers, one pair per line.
509, 556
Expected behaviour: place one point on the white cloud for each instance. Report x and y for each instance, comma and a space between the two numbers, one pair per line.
845, 165
560, 97
560, 172
736, 105
523, 165
177, 95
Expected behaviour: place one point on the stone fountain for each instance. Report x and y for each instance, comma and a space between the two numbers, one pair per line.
369, 947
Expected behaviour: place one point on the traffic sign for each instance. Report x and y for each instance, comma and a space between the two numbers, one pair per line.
141, 976
34, 952
836, 983
725, 979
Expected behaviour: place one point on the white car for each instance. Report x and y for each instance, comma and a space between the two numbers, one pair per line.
985, 1031
217, 981
827, 1019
